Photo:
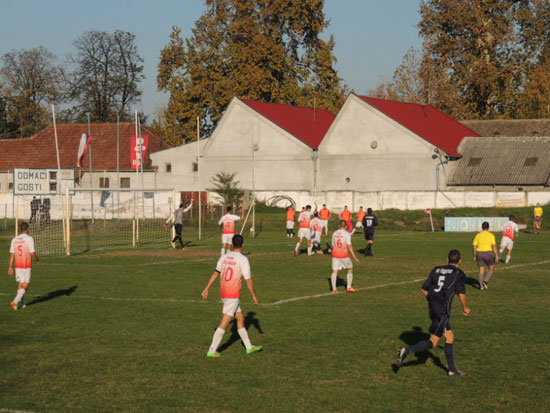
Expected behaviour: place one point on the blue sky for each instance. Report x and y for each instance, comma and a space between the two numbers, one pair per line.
371, 35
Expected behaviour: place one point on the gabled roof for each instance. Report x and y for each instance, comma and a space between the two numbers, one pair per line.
510, 127
306, 124
426, 121
39, 151
503, 161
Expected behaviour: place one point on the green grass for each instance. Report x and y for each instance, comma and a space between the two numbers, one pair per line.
110, 331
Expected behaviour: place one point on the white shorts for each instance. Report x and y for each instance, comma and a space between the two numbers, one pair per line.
231, 306
506, 242
227, 239
324, 223
316, 236
23, 275
359, 224
304, 233
341, 263
289, 224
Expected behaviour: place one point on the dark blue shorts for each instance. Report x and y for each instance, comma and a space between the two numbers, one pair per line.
440, 324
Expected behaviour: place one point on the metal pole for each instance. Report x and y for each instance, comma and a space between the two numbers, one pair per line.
91, 179
199, 176
253, 229
118, 160
141, 163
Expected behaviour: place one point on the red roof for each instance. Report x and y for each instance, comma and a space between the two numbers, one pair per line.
307, 124
426, 121
39, 151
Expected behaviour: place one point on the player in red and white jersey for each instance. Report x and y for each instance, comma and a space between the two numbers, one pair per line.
341, 250
228, 222
509, 231
232, 267
316, 227
304, 230
21, 251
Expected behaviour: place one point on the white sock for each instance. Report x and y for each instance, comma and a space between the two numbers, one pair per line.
507, 259
244, 337
223, 252
297, 247
216, 340
20, 294
350, 278
333, 278
353, 232
309, 250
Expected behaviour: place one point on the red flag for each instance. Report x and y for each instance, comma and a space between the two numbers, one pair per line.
427, 210
83, 148
135, 150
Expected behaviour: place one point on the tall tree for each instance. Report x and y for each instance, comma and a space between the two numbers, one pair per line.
31, 80
106, 74
267, 50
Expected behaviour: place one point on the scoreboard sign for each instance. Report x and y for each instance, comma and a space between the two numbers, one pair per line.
30, 181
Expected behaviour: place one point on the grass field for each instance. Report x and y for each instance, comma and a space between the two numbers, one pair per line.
127, 330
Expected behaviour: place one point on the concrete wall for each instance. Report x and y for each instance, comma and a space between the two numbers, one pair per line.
364, 150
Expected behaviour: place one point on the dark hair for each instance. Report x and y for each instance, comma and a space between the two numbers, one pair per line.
181, 205
454, 257
229, 209
343, 223
485, 225
511, 217
308, 207
238, 241
369, 210
23, 226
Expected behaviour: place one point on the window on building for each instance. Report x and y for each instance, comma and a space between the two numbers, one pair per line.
168, 167
125, 182
10, 185
474, 161
195, 167
53, 186
104, 182
53, 175
531, 161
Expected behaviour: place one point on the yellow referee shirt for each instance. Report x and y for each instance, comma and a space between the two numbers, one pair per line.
538, 211
484, 241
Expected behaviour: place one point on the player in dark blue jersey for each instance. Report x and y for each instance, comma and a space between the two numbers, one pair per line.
369, 223
443, 283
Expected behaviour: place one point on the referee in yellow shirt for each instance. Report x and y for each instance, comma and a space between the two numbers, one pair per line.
485, 254
538, 218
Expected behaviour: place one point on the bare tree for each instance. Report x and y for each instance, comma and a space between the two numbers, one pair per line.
106, 73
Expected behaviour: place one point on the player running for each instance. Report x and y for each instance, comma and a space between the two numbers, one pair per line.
509, 231
290, 214
232, 266
359, 224
537, 213
324, 214
440, 288
177, 218
341, 249
21, 251
228, 222
345, 215
485, 246
304, 230
316, 227
370, 222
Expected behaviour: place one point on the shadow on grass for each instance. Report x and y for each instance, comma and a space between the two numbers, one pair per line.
249, 320
412, 337
340, 282
52, 295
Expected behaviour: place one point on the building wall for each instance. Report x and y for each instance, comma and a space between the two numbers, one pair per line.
364, 150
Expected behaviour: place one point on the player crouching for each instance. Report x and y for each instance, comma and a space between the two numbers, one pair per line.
341, 248
232, 266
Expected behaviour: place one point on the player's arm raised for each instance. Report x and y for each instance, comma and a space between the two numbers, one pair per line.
210, 282
10, 268
250, 286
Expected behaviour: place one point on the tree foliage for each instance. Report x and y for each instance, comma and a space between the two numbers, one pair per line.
106, 72
267, 50
227, 188
30, 81
480, 59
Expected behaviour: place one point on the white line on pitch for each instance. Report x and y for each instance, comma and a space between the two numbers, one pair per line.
14, 411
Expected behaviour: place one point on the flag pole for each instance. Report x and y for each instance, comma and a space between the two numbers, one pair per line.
118, 159
91, 179
199, 176
56, 151
141, 164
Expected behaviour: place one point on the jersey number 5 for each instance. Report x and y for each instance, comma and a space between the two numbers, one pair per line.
440, 284
20, 250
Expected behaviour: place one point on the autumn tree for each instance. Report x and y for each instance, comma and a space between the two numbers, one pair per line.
30, 81
258, 49
105, 76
